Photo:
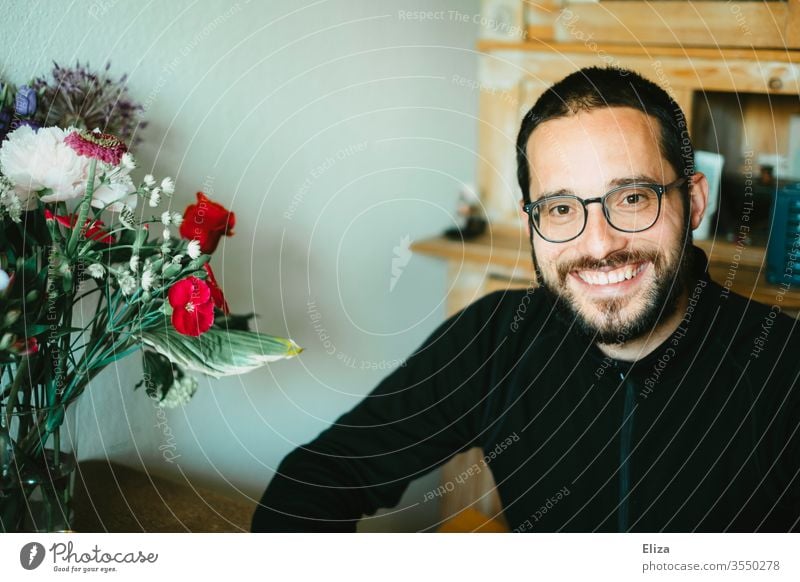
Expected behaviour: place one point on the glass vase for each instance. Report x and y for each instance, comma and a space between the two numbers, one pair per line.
38, 451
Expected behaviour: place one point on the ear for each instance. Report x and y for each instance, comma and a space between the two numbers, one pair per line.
525, 218
698, 198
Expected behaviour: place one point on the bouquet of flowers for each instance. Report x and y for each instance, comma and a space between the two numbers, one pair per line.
86, 279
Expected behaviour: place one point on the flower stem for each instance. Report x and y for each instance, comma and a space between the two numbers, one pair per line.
78, 229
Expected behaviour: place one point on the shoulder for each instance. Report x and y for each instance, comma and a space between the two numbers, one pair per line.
509, 307
762, 339
752, 323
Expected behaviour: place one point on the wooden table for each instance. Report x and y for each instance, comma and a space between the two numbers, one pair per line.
113, 498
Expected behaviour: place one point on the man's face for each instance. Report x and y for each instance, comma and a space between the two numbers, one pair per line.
616, 286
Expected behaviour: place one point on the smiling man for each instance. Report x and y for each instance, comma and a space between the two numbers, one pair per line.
627, 392
613, 197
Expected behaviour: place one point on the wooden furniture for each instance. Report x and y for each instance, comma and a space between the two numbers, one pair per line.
691, 49
114, 498
515, 69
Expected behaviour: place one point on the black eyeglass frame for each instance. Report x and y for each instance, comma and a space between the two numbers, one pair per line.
659, 189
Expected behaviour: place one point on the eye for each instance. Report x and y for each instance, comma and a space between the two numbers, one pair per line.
634, 198
560, 210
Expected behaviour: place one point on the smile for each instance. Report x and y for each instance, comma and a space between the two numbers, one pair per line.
611, 277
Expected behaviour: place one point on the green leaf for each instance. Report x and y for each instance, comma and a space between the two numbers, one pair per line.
33, 329
56, 334
158, 375
233, 321
220, 352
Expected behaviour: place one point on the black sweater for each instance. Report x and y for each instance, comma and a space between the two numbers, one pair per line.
700, 435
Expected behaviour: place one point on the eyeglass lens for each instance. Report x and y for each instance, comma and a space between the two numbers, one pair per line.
629, 209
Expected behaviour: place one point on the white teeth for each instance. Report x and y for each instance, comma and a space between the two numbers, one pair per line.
610, 277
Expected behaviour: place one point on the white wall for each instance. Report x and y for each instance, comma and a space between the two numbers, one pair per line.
332, 129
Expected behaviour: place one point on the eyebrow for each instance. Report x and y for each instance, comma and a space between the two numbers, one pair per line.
627, 180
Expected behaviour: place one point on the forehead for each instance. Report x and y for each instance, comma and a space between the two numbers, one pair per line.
586, 151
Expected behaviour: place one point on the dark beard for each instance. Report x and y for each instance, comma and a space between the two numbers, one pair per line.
661, 301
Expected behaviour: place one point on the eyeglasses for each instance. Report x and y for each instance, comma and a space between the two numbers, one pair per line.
629, 208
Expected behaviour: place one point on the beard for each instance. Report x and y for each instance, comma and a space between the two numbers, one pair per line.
673, 271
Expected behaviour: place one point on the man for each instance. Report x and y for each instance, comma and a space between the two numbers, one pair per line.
625, 393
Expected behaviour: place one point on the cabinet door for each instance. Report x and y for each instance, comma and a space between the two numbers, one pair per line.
715, 23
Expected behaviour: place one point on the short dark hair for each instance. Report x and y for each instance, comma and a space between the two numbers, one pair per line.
596, 88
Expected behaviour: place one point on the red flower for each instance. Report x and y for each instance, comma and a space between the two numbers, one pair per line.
95, 229
26, 348
216, 291
100, 146
207, 222
192, 306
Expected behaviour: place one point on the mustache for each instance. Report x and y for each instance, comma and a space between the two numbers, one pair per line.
613, 260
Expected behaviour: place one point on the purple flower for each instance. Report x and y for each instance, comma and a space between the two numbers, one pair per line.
15, 123
25, 103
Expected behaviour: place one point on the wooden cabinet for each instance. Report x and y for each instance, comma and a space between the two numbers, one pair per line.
762, 24
513, 76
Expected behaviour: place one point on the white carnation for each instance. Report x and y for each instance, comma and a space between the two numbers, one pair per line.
37, 159
115, 196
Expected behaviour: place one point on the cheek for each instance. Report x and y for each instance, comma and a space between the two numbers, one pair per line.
547, 256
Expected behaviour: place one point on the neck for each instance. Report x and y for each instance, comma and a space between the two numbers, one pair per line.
637, 349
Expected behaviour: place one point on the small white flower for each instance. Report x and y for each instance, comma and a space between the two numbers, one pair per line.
166, 218
168, 186
167, 234
176, 260
4, 280
134, 262
96, 270
9, 201
149, 180
155, 197
127, 283
177, 218
127, 162
180, 392
148, 278
193, 249
165, 248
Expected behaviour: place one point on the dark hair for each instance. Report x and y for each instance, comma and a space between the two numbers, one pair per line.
595, 88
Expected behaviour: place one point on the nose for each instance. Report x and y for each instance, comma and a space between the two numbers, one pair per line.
599, 239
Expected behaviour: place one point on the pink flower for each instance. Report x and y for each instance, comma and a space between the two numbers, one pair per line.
192, 306
100, 146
